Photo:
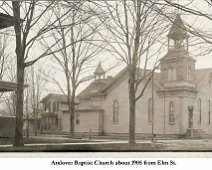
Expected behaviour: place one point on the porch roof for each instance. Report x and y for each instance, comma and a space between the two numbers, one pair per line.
6, 21
49, 114
7, 86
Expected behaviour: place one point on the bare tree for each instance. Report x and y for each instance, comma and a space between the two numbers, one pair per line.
77, 51
28, 15
10, 98
201, 13
36, 83
134, 30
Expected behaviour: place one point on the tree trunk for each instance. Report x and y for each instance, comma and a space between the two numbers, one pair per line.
132, 105
20, 76
74, 67
27, 130
72, 115
19, 105
71, 107
132, 75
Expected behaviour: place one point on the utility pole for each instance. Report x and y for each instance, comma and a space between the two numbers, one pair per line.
153, 106
27, 111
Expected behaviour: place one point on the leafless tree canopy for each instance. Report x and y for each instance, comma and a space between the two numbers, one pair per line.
73, 33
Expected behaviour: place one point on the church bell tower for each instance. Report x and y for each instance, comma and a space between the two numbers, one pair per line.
177, 67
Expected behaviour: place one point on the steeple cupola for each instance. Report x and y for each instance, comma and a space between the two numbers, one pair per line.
178, 36
177, 67
99, 73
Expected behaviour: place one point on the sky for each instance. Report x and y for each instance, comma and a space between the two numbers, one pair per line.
107, 59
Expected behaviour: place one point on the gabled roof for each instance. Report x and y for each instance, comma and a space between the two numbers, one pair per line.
178, 29
58, 97
123, 75
98, 87
118, 77
95, 87
176, 53
201, 75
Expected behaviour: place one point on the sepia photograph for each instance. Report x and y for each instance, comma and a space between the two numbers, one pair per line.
106, 76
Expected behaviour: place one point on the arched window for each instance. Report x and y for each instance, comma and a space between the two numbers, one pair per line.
77, 119
171, 113
150, 110
210, 78
199, 111
172, 75
54, 106
189, 73
115, 111
209, 112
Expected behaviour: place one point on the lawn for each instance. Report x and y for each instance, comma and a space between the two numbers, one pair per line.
100, 147
65, 144
38, 140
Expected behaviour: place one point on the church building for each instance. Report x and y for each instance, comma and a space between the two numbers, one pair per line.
182, 98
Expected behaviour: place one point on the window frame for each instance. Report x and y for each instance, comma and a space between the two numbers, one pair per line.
115, 111
172, 74
199, 109
189, 74
209, 112
171, 113
58, 106
77, 119
54, 106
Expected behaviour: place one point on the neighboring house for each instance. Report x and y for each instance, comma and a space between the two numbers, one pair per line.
53, 106
31, 122
104, 105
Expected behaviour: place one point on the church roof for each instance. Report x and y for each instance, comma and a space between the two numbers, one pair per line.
176, 53
201, 74
178, 29
95, 87
102, 86
99, 70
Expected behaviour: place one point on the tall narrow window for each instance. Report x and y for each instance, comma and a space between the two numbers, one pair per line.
48, 106
54, 106
209, 112
150, 110
189, 72
45, 107
199, 111
58, 106
171, 113
169, 76
210, 78
172, 74
115, 111
77, 119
